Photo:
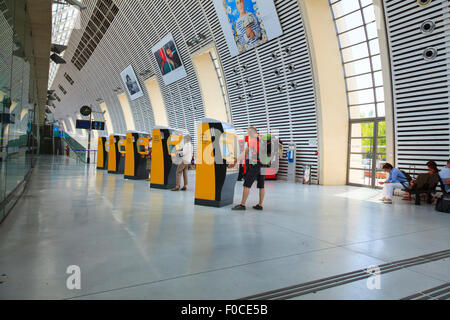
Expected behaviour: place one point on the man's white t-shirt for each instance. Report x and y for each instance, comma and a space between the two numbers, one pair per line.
187, 153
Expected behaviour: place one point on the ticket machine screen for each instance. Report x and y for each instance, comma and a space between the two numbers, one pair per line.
142, 148
175, 144
122, 148
227, 146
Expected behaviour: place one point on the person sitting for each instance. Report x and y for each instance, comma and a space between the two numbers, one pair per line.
396, 180
445, 176
424, 183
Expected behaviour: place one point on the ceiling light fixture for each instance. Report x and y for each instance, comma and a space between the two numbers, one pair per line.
57, 59
57, 48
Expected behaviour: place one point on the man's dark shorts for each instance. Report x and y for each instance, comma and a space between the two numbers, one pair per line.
254, 173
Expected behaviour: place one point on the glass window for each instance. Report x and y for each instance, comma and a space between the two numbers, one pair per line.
355, 52
374, 47
359, 177
365, 2
357, 67
381, 145
359, 82
369, 14
372, 31
378, 77
376, 63
350, 21
362, 111
358, 161
379, 93
360, 51
381, 110
361, 97
352, 37
362, 130
361, 145
382, 129
344, 7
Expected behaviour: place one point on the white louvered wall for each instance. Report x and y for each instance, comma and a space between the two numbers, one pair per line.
421, 88
293, 111
140, 24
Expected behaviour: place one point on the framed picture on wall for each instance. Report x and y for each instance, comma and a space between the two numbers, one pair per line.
168, 60
131, 83
247, 24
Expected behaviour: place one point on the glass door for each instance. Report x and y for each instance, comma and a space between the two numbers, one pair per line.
367, 152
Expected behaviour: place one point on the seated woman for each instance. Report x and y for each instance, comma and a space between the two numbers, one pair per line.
424, 182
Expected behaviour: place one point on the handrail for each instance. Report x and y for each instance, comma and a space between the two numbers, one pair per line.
75, 147
74, 150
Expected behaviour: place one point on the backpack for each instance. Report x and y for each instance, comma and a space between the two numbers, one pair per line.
407, 175
266, 154
443, 204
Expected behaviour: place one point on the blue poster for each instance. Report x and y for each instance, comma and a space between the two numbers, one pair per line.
247, 23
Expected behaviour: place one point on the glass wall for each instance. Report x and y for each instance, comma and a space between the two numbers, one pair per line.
17, 101
360, 51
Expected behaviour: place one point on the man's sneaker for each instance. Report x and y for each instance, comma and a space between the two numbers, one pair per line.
257, 207
238, 207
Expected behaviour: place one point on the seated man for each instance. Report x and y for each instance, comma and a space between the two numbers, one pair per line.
396, 180
445, 176
424, 183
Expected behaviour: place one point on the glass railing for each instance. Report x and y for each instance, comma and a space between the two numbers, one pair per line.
75, 148
77, 151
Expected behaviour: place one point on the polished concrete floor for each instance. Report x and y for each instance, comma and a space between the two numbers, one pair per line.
133, 242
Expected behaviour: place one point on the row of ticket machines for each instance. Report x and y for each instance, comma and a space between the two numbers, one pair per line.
216, 149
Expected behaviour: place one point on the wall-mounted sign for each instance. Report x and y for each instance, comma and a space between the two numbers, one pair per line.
86, 124
98, 125
83, 124
131, 83
247, 23
312, 142
168, 60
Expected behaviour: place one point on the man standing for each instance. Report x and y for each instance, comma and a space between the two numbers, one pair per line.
396, 180
186, 157
253, 173
445, 176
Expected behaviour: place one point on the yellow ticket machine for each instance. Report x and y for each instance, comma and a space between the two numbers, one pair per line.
216, 149
107, 152
121, 147
136, 152
165, 144
113, 154
102, 155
